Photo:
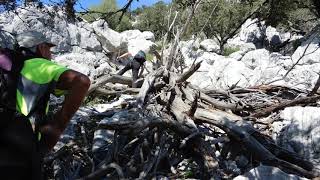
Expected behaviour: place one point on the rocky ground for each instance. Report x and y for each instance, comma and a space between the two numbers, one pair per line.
253, 114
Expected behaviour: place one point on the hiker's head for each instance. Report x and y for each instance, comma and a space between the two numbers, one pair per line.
140, 56
36, 42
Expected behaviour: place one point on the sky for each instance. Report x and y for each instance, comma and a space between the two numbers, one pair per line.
121, 3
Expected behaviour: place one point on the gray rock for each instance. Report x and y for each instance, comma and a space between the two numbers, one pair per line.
267, 173
301, 133
252, 31
148, 35
210, 45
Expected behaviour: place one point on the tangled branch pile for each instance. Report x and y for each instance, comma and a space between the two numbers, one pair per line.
175, 130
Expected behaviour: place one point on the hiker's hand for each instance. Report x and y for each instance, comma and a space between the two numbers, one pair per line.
51, 132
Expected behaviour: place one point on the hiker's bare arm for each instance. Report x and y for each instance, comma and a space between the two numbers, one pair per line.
124, 55
77, 85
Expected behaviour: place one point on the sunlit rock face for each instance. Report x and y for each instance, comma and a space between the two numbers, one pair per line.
137, 40
299, 131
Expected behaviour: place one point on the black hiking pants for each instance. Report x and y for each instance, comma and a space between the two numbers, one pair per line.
135, 66
19, 155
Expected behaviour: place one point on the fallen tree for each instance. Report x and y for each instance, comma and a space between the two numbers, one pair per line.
171, 121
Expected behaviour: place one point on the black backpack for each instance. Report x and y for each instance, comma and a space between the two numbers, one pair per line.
10, 67
11, 63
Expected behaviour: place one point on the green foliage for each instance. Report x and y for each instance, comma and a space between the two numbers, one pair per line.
105, 11
153, 19
220, 19
276, 12
92, 99
301, 19
188, 174
149, 57
297, 15
230, 50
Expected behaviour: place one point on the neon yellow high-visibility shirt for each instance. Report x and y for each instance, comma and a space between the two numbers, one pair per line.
38, 75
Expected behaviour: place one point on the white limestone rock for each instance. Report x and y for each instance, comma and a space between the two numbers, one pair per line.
148, 35
110, 40
86, 63
251, 31
210, 45
263, 172
308, 52
300, 131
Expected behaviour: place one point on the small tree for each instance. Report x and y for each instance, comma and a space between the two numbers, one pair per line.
153, 19
221, 19
108, 10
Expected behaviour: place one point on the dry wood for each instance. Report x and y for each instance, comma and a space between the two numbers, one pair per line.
125, 91
300, 101
259, 151
220, 104
111, 79
173, 119
188, 73
135, 124
173, 49
315, 88
147, 85
103, 171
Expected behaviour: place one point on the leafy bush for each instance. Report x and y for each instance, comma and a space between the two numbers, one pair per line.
230, 50
149, 57
152, 19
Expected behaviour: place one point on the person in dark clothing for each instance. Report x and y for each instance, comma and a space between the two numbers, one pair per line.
135, 63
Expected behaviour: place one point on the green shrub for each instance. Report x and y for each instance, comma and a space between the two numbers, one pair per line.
230, 50
149, 57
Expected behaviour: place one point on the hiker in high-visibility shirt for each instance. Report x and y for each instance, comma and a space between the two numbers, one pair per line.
29, 135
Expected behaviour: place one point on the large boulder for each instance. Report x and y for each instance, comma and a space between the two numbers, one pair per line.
148, 35
6, 40
236, 42
110, 40
222, 73
137, 40
253, 31
256, 59
89, 40
190, 50
308, 52
88, 63
210, 45
299, 131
